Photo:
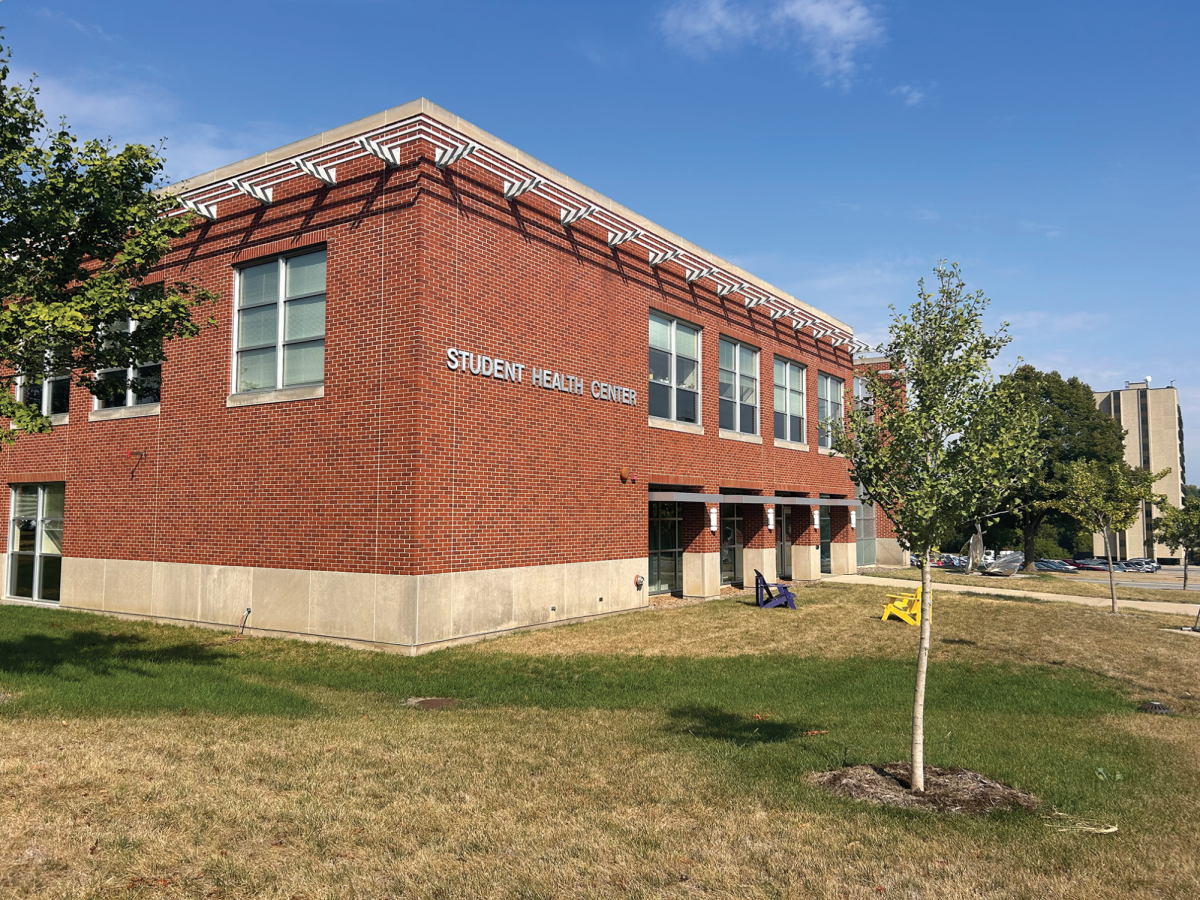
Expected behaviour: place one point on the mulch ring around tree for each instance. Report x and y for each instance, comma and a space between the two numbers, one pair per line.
946, 790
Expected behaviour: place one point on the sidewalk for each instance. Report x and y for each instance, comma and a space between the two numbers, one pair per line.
1158, 606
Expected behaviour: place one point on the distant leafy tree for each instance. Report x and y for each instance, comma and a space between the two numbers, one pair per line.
1179, 527
81, 229
940, 442
1107, 498
1070, 428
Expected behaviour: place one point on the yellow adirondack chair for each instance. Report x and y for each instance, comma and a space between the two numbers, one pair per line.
906, 607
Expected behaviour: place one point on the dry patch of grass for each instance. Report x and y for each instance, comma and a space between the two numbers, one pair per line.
1046, 583
348, 793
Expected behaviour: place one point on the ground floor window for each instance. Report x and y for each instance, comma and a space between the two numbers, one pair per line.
35, 541
864, 537
731, 543
666, 548
783, 542
826, 540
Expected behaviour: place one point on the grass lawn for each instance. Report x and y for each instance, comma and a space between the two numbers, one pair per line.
657, 754
1047, 583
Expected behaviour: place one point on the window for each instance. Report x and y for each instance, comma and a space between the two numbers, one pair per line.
829, 406
52, 394
666, 548
674, 369
35, 541
138, 385
862, 392
789, 401
281, 323
739, 387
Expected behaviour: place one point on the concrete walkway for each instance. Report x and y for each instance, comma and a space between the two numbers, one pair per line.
1158, 606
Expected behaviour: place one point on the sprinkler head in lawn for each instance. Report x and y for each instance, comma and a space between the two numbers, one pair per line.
1155, 708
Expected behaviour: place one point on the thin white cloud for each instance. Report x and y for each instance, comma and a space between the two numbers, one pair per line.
63, 19
909, 94
130, 111
831, 32
1050, 231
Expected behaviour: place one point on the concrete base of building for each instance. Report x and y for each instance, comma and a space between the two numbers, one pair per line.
761, 559
806, 562
702, 575
413, 613
843, 559
888, 552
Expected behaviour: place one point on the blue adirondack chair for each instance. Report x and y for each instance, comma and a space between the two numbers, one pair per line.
766, 599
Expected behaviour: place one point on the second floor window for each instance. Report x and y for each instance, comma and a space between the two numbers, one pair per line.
829, 406
789, 401
135, 386
674, 369
281, 323
739, 387
51, 394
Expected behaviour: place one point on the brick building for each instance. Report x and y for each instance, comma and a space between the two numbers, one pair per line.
449, 392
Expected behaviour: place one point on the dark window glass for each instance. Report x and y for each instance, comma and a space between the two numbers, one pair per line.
111, 388
23, 575
660, 366
60, 396
148, 387
33, 394
51, 577
796, 435
660, 400
686, 402
728, 410
747, 419
780, 426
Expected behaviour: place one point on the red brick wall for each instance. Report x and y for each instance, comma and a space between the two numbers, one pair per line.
405, 466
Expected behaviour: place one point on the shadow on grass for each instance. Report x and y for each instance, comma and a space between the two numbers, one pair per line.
716, 724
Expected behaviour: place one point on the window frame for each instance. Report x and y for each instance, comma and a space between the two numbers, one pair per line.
280, 303
132, 398
738, 375
788, 392
46, 405
12, 548
824, 438
675, 386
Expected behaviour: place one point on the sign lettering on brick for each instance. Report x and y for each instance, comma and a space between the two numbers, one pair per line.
499, 369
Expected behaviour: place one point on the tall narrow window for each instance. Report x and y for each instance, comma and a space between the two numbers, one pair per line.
35, 541
674, 369
138, 385
789, 401
829, 406
739, 387
281, 323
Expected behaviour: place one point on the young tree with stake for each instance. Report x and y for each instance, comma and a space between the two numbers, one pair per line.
939, 442
1179, 527
1107, 498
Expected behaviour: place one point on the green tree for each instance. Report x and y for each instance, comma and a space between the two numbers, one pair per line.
1179, 526
81, 229
1107, 497
1070, 428
940, 441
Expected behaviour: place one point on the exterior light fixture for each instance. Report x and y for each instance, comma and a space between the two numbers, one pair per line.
658, 257
262, 195
376, 149
816, 516
616, 238
770, 518
696, 274
853, 519
329, 176
571, 215
451, 155
204, 210
712, 519
514, 189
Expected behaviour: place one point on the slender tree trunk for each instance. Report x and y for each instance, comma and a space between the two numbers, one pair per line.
918, 717
1112, 586
1029, 530
1185, 556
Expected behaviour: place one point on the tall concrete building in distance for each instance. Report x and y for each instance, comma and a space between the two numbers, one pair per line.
1154, 441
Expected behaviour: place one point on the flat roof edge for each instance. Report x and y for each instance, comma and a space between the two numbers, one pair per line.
423, 106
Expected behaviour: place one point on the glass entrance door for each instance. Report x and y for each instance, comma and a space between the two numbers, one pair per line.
666, 548
783, 542
35, 541
731, 543
826, 541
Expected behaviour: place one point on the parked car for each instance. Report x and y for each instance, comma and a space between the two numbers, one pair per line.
1070, 564
1089, 565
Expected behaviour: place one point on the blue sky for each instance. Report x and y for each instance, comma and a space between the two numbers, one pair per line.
837, 148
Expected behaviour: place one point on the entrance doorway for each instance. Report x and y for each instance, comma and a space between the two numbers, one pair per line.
783, 542
35, 541
666, 548
826, 541
731, 543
